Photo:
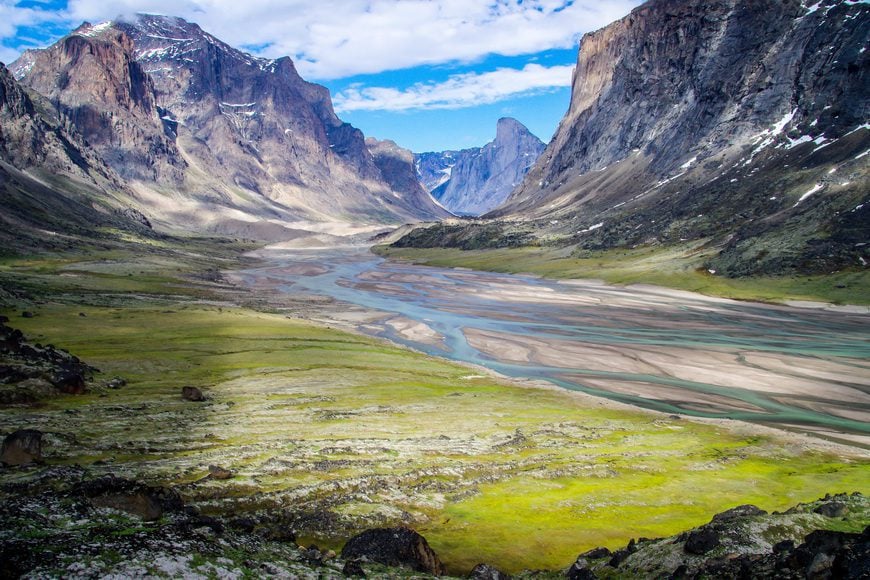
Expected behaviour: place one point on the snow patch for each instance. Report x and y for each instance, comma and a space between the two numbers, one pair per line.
815, 188
689, 163
591, 228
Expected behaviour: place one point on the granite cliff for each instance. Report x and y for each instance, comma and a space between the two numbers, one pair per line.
740, 124
474, 181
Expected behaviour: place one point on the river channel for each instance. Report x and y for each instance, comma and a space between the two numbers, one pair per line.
794, 368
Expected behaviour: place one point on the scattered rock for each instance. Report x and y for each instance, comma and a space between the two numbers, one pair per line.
738, 512
218, 472
702, 541
353, 569
487, 572
22, 447
192, 394
832, 509
619, 556
596, 554
394, 547
131, 497
580, 570
116, 383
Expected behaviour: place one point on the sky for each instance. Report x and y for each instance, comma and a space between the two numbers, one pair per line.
431, 75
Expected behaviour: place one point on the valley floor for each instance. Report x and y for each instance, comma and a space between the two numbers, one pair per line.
678, 267
330, 432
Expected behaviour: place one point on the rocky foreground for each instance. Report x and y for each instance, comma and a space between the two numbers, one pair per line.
60, 521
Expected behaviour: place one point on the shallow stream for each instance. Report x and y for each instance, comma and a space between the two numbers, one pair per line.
677, 352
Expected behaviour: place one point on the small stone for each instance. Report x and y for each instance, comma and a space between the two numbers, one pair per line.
353, 569
487, 572
22, 447
218, 472
27, 314
116, 383
192, 394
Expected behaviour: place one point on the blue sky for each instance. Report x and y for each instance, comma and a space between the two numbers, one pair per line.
428, 74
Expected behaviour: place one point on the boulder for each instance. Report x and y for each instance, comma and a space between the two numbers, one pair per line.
69, 380
218, 472
146, 502
740, 511
487, 572
580, 570
394, 547
22, 447
596, 554
832, 509
702, 541
353, 569
192, 394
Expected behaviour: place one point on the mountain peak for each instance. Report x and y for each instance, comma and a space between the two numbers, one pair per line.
508, 127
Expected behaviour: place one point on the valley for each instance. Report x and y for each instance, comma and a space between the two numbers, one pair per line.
240, 338
328, 433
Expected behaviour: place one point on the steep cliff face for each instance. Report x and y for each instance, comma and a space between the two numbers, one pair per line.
210, 137
396, 165
91, 78
744, 122
473, 181
260, 126
434, 167
54, 190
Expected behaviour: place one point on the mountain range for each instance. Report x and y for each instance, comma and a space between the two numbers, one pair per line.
743, 126
207, 138
476, 180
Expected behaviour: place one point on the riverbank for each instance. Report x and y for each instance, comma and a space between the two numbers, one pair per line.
330, 432
676, 267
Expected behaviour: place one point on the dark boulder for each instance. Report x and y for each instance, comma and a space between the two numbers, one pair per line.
580, 570
22, 447
832, 509
487, 572
146, 502
192, 394
353, 569
619, 556
702, 541
69, 380
596, 554
394, 547
740, 511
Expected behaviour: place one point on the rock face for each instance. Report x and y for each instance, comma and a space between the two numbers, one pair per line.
741, 122
148, 101
480, 179
211, 137
22, 447
91, 78
434, 168
397, 168
394, 547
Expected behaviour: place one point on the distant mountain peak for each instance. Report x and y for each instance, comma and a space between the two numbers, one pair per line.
474, 181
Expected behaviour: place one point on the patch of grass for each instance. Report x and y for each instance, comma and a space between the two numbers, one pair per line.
678, 267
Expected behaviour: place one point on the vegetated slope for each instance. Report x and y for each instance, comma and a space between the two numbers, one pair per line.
742, 123
210, 137
54, 191
474, 181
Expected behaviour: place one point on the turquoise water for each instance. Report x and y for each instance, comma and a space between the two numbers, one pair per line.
697, 330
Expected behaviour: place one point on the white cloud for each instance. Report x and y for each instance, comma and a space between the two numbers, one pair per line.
464, 90
336, 39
